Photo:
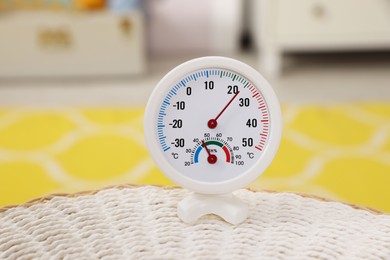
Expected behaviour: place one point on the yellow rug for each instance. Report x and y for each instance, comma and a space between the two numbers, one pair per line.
338, 151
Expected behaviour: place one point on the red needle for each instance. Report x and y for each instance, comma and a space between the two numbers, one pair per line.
212, 123
212, 158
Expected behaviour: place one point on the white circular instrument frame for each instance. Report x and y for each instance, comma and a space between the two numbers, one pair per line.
170, 80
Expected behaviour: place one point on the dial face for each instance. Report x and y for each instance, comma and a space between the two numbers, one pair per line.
213, 125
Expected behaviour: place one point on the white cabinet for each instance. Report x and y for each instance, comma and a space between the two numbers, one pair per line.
320, 25
71, 44
194, 27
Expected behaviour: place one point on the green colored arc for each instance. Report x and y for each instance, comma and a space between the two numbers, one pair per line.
215, 143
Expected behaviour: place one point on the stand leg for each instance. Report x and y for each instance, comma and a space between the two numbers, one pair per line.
271, 61
228, 207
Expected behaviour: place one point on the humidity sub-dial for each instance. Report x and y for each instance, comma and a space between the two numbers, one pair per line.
212, 151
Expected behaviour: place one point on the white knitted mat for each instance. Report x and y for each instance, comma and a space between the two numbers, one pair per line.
141, 223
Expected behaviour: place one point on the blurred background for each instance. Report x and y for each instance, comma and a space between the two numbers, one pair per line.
75, 76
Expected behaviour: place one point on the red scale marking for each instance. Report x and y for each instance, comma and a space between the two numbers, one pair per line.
227, 153
255, 93
264, 134
258, 148
259, 98
264, 120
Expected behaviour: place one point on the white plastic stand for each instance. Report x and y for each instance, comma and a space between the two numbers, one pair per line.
227, 206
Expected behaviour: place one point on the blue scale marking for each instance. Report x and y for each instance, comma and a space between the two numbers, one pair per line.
207, 73
182, 82
196, 156
160, 124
